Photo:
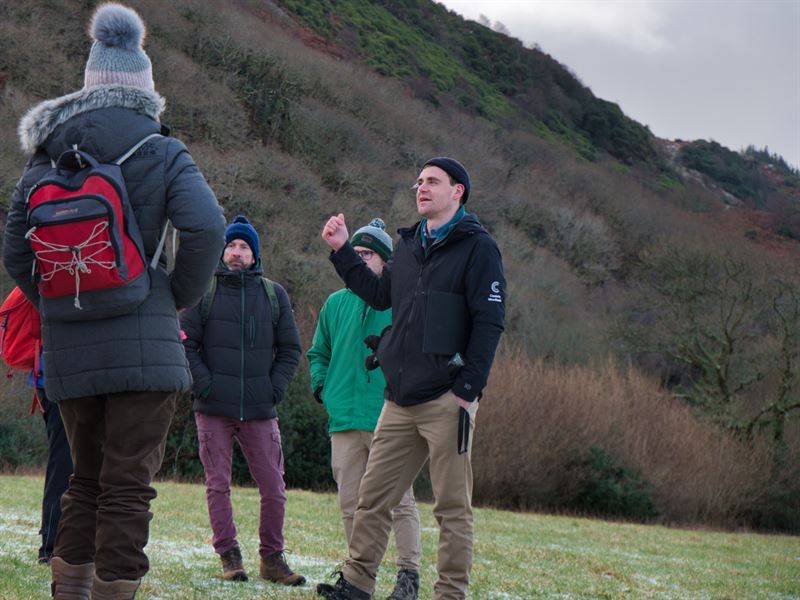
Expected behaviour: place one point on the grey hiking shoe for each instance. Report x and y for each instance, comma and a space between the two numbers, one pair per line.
232, 568
406, 587
341, 590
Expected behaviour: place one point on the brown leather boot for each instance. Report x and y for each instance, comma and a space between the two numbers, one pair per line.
119, 589
275, 569
232, 568
71, 582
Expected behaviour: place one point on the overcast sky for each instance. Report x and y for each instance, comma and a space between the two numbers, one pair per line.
727, 70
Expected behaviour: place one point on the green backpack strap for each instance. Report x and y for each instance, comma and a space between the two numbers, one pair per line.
208, 300
269, 289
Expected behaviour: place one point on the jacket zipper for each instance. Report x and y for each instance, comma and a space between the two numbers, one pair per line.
363, 329
410, 321
241, 350
425, 257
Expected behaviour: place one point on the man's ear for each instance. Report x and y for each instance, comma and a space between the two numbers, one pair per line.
460, 189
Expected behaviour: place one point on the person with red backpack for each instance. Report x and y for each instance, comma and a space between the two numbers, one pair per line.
83, 241
21, 349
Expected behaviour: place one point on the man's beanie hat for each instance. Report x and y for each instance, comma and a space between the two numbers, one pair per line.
240, 229
117, 56
455, 169
374, 237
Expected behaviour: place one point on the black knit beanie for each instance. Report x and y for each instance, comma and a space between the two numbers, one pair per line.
455, 169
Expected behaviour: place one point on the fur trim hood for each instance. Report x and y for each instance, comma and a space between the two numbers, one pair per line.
41, 120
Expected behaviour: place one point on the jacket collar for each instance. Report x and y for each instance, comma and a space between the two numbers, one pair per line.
41, 120
239, 277
468, 225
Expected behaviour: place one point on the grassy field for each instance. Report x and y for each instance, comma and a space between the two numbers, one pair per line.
516, 555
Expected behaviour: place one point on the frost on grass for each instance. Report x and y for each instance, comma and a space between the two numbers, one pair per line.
24, 518
170, 560
19, 532
652, 581
180, 552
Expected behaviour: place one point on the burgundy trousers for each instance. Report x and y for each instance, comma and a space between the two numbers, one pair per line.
260, 441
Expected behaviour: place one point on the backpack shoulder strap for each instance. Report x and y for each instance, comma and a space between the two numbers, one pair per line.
135, 147
131, 151
160, 247
208, 300
269, 288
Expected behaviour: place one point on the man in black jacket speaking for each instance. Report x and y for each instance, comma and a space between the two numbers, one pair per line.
446, 288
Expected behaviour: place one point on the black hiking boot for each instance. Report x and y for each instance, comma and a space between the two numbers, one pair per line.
406, 587
341, 590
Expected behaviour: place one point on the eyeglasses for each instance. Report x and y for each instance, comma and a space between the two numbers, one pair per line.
365, 254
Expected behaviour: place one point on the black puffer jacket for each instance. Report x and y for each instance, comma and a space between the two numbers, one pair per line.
140, 351
241, 367
467, 266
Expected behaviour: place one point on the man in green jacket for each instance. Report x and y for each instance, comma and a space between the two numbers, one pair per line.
354, 397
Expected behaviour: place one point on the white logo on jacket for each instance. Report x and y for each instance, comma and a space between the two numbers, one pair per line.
495, 295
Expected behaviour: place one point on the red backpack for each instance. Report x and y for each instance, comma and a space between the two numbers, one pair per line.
88, 251
20, 331
21, 336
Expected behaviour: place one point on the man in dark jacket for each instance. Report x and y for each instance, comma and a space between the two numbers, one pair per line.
116, 380
446, 288
353, 397
242, 363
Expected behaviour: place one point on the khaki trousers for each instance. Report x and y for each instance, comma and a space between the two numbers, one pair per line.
349, 454
404, 439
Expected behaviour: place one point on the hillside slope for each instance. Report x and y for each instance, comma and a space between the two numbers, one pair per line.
291, 133
297, 110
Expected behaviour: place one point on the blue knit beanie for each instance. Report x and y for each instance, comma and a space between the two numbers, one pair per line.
240, 229
455, 169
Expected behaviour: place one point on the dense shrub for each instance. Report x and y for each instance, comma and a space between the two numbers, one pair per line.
23, 443
304, 435
599, 484
537, 418
23, 439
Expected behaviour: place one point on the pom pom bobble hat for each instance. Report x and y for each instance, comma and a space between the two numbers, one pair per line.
117, 57
374, 237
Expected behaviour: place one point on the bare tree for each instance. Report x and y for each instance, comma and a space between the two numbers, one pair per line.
735, 330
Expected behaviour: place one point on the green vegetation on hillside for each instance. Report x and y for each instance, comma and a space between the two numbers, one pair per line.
746, 175
476, 69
